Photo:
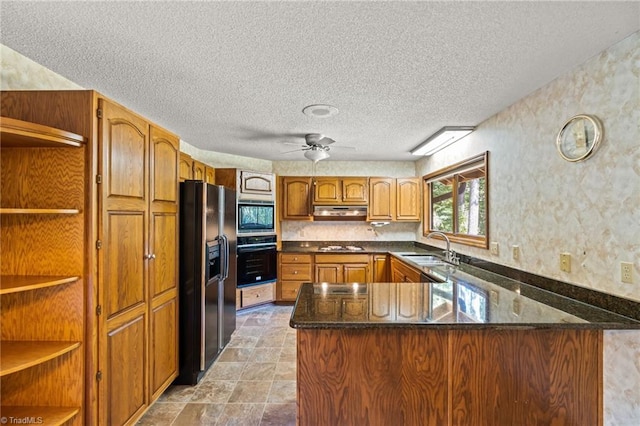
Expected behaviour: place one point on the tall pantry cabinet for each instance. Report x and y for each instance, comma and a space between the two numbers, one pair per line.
128, 273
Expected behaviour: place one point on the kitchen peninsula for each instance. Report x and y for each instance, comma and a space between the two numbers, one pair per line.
469, 348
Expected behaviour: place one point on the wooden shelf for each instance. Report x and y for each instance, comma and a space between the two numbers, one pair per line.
22, 134
4, 210
51, 416
18, 283
19, 355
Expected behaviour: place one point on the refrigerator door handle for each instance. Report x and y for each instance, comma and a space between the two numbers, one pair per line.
225, 249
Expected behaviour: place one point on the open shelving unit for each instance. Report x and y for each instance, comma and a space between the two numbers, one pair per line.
42, 362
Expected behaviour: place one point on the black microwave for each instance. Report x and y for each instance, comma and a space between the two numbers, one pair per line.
256, 217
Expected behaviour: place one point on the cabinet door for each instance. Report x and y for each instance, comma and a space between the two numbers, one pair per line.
327, 190
355, 273
380, 269
355, 190
296, 192
198, 170
408, 199
382, 302
256, 183
163, 256
382, 199
209, 174
329, 273
123, 270
185, 167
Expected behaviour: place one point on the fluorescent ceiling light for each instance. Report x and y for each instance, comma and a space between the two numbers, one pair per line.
442, 138
316, 154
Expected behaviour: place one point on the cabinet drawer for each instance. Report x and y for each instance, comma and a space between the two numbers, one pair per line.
295, 258
256, 295
295, 272
289, 289
342, 258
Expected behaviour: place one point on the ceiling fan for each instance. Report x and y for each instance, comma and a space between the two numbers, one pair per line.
316, 147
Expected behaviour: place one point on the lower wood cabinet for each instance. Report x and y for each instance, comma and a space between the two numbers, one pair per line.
293, 270
342, 268
403, 273
255, 295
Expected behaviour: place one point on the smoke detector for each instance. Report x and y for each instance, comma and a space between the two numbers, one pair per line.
320, 111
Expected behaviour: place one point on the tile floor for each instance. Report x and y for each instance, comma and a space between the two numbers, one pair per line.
253, 381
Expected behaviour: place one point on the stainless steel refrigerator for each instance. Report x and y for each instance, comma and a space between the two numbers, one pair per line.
207, 276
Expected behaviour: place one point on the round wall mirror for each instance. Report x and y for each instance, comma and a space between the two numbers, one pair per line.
579, 137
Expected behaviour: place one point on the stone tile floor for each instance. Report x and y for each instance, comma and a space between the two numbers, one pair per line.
253, 381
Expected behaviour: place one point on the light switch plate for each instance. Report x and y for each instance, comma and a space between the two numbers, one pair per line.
565, 262
515, 252
495, 249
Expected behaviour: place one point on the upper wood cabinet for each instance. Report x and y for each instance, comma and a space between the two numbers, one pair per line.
408, 199
198, 170
209, 175
296, 192
392, 199
248, 184
340, 190
185, 167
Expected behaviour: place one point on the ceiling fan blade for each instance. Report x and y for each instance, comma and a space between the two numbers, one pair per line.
326, 141
344, 147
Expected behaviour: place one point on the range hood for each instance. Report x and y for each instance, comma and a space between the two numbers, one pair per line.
340, 212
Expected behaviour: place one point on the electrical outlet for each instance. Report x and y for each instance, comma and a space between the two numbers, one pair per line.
515, 252
494, 297
565, 262
626, 272
495, 249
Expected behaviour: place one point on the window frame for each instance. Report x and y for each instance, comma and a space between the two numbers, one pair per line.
482, 161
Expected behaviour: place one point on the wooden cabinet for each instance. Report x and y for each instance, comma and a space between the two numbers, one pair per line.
256, 295
293, 270
209, 175
248, 184
380, 268
408, 199
138, 274
115, 229
340, 190
296, 193
392, 199
185, 167
198, 170
342, 268
44, 274
403, 273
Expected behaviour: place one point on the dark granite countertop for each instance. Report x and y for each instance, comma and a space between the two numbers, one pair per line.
467, 297
368, 246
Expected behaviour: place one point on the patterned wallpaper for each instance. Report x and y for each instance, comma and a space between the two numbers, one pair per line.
546, 205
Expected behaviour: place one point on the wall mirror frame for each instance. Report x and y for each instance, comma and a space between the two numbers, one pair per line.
456, 201
579, 137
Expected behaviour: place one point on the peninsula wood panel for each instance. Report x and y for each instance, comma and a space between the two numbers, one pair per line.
509, 377
379, 377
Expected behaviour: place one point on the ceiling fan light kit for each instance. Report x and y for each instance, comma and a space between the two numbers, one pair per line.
316, 154
441, 139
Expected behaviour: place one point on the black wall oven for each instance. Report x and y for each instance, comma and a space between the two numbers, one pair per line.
257, 260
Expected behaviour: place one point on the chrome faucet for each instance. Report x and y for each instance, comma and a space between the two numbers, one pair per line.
449, 255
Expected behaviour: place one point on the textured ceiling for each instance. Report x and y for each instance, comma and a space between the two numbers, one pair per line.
234, 77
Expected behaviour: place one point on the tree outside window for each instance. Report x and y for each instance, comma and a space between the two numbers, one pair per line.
457, 201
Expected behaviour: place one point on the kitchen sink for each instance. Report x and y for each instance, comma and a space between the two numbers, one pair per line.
424, 259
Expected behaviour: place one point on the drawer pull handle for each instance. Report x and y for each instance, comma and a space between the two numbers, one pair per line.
295, 272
